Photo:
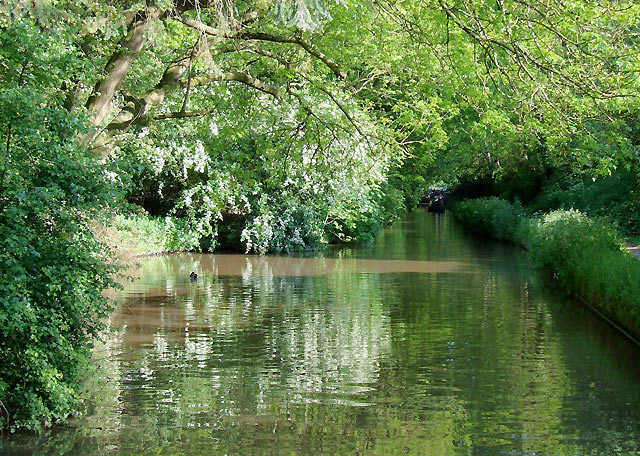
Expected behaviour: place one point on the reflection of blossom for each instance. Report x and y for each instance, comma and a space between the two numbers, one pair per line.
160, 344
334, 349
306, 335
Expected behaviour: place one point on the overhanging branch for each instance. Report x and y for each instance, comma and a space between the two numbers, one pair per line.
261, 36
237, 76
183, 115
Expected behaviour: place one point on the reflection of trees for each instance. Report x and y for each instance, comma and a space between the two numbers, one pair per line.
456, 363
245, 340
311, 353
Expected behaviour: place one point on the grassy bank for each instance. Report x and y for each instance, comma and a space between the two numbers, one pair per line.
586, 257
131, 235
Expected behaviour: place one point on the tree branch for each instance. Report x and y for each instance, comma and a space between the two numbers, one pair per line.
133, 113
521, 56
183, 115
237, 76
128, 49
118, 65
258, 36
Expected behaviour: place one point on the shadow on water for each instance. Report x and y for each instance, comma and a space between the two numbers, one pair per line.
426, 341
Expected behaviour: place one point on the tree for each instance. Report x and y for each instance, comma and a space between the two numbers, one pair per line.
52, 269
516, 88
83, 76
292, 116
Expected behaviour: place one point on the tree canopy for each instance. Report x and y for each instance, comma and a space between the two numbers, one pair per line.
276, 125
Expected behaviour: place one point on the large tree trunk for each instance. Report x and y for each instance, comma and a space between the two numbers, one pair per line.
99, 103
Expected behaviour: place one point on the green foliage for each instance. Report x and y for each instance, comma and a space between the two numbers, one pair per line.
264, 187
616, 197
508, 93
362, 219
491, 217
52, 269
586, 256
282, 225
563, 235
392, 204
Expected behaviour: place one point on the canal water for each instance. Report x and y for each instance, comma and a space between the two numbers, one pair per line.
427, 341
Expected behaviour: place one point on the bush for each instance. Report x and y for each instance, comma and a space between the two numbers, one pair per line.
282, 225
361, 217
588, 259
52, 269
392, 204
585, 256
491, 217
562, 236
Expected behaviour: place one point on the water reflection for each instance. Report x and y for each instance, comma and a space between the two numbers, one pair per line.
287, 266
425, 342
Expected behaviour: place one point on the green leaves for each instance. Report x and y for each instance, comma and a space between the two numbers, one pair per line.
585, 256
52, 270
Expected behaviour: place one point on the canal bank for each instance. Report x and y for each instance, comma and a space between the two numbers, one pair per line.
585, 257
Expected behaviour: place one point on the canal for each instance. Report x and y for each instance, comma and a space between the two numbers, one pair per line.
427, 341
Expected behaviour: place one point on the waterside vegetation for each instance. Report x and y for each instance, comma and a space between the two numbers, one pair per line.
585, 256
278, 126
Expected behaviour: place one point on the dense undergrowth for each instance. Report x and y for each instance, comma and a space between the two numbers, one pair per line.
586, 256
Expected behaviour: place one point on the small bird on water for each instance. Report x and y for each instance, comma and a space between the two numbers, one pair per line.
193, 276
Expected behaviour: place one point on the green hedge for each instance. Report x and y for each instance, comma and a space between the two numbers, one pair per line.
492, 217
585, 256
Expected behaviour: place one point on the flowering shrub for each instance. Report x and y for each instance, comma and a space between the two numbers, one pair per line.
290, 191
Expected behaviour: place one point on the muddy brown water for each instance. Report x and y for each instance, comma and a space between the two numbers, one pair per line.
427, 341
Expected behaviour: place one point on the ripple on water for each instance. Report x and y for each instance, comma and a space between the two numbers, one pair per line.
424, 342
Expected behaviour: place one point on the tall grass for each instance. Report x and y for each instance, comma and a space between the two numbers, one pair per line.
130, 235
585, 256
